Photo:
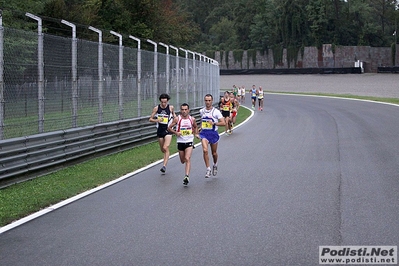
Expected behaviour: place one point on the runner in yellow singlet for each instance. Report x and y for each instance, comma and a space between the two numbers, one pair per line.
260, 98
235, 105
225, 107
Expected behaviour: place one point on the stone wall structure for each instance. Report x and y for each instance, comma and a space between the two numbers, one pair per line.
312, 57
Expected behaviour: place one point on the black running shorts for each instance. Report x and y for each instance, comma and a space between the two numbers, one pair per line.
184, 146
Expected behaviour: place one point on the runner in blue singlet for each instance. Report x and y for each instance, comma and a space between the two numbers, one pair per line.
253, 96
211, 118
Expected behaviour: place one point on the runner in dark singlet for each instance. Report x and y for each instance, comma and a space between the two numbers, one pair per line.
162, 115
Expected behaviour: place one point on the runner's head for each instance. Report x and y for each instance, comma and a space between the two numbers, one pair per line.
164, 98
226, 95
208, 100
184, 110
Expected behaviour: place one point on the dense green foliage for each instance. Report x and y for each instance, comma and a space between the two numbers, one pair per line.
159, 20
225, 24
267, 24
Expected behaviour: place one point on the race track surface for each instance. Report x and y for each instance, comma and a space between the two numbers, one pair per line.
305, 172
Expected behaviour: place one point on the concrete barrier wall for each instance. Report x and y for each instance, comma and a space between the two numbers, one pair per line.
327, 56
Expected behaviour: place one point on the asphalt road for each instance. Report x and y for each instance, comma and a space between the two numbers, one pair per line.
305, 172
369, 84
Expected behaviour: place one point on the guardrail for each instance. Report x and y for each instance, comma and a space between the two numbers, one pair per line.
28, 157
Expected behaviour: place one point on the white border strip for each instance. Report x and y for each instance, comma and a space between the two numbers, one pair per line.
334, 97
94, 190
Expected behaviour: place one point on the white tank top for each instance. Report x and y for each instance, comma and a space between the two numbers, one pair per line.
185, 127
260, 95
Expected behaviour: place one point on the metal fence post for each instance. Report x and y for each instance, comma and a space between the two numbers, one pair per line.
155, 89
40, 65
215, 79
100, 74
186, 72
139, 107
193, 73
2, 102
74, 74
167, 67
177, 74
120, 90
210, 81
199, 87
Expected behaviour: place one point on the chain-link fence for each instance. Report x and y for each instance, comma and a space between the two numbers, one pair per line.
82, 83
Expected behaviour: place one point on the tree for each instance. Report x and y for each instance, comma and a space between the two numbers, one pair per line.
264, 31
318, 21
225, 35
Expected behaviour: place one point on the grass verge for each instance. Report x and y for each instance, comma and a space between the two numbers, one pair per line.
20, 200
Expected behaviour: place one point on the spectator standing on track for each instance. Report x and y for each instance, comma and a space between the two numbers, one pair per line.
162, 115
186, 129
211, 118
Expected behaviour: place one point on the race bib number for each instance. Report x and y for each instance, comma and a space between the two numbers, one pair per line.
226, 108
163, 119
186, 131
206, 124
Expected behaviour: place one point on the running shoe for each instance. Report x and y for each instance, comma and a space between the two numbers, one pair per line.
208, 173
253, 107
163, 169
214, 170
186, 180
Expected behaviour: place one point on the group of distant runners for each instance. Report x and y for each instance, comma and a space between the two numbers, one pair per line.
257, 94
186, 128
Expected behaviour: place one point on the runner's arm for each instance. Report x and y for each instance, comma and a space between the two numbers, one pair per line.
195, 128
220, 123
172, 110
152, 119
171, 129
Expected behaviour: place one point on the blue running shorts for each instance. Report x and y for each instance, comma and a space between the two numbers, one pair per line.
211, 135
